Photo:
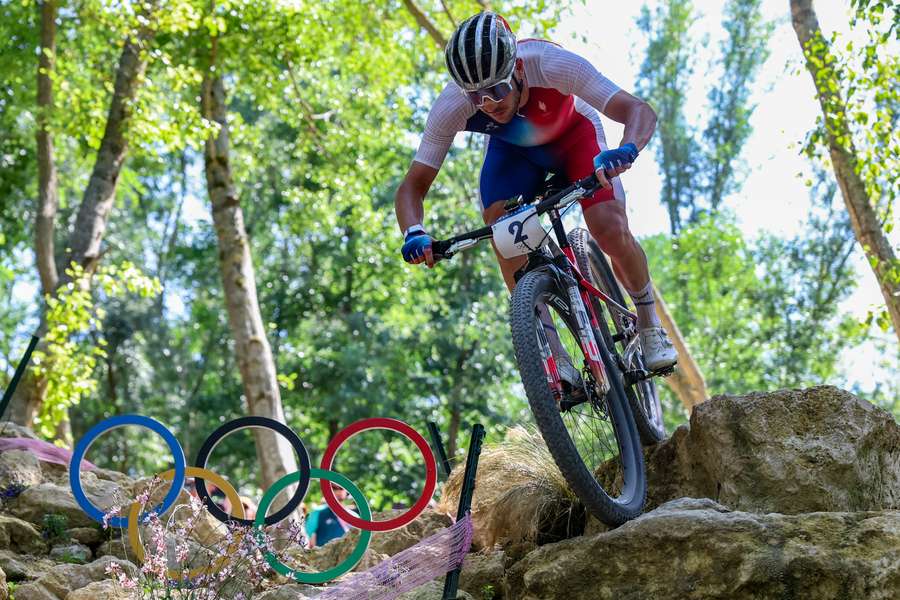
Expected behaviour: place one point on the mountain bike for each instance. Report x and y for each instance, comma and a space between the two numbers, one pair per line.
567, 306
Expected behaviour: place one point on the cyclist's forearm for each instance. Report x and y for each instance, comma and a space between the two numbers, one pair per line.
639, 126
410, 208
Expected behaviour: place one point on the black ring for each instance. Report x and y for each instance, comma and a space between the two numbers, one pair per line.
243, 423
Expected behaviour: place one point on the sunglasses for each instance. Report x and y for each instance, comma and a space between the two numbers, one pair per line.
494, 93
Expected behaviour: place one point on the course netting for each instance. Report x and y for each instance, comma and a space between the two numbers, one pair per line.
433, 557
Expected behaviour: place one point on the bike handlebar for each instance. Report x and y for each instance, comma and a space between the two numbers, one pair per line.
588, 185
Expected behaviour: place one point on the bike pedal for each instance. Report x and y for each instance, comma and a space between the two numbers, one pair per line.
664, 372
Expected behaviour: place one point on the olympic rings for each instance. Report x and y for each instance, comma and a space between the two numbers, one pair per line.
302, 477
344, 566
230, 493
403, 429
113, 423
242, 423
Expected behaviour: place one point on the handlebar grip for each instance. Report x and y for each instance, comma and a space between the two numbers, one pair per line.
439, 248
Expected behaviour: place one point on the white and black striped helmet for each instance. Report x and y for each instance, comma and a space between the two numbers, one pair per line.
481, 52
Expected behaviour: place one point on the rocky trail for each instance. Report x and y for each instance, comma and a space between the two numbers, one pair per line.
783, 495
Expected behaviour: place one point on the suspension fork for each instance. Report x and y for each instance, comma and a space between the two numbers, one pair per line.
550, 369
580, 302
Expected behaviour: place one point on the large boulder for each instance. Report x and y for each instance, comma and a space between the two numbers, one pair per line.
4, 590
21, 536
63, 579
482, 574
700, 549
433, 590
51, 498
790, 451
23, 567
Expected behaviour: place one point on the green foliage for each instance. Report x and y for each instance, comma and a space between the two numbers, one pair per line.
54, 527
324, 101
743, 52
73, 337
762, 315
663, 82
699, 171
859, 90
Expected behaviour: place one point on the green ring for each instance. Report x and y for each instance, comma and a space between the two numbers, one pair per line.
344, 566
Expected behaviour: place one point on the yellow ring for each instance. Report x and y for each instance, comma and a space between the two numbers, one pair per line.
230, 493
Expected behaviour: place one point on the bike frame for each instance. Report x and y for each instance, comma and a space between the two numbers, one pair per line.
585, 315
579, 289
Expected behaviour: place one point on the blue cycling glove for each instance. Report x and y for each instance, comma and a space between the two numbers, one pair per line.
610, 159
414, 247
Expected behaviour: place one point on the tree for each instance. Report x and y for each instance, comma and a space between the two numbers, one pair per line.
663, 82
83, 248
763, 314
846, 133
251, 346
742, 53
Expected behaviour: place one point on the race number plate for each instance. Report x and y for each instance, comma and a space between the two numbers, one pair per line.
519, 233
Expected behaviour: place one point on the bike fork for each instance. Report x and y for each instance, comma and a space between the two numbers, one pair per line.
587, 338
550, 370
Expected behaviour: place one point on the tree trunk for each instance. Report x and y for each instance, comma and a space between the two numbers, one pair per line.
687, 381
863, 217
90, 225
252, 350
48, 194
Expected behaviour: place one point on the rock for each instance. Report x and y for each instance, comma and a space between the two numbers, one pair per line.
18, 470
71, 553
384, 544
63, 579
23, 567
397, 540
102, 590
482, 575
4, 590
116, 548
50, 498
89, 536
792, 451
700, 549
325, 557
433, 590
8, 429
21, 536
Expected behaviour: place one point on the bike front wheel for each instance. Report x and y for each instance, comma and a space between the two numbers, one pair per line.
592, 436
643, 395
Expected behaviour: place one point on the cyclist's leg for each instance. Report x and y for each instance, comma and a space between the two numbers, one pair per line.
604, 212
506, 173
608, 224
509, 171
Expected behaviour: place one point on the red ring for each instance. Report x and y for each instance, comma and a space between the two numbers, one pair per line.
380, 423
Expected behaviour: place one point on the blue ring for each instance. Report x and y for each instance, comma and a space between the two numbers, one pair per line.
112, 423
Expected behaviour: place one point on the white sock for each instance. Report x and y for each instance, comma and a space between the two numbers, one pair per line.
645, 305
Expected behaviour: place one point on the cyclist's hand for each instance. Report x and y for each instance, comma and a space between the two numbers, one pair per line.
612, 163
417, 248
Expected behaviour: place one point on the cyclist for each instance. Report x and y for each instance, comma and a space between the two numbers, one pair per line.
540, 106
